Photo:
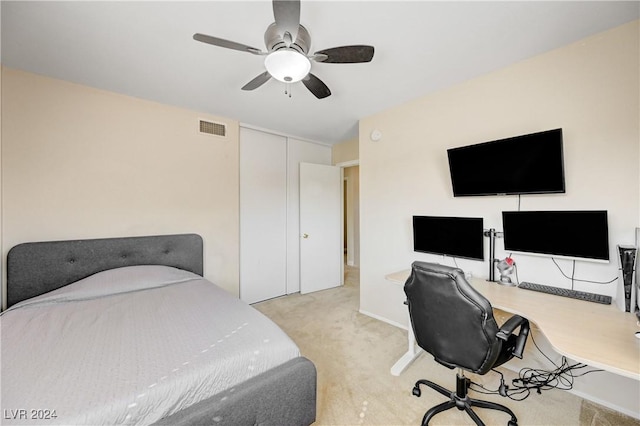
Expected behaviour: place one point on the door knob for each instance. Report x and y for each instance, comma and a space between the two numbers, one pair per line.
305, 235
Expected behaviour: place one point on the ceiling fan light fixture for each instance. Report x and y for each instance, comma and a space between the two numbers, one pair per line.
287, 65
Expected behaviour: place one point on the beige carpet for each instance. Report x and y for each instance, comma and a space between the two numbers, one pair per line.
353, 354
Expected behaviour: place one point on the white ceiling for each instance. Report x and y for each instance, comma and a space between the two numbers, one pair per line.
145, 49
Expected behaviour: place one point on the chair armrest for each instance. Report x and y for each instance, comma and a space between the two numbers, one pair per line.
509, 326
507, 330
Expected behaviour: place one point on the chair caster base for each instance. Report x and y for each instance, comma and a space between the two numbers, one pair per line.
461, 401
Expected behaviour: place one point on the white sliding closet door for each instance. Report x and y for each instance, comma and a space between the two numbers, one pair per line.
263, 215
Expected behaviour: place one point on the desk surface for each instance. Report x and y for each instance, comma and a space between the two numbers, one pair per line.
591, 333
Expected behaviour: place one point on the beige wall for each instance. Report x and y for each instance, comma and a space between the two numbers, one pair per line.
345, 151
590, 89
84, 163
352, 228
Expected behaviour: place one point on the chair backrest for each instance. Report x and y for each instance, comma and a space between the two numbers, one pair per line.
450, 319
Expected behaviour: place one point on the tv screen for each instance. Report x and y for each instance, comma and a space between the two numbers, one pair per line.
528, 164
580, 234
451, 236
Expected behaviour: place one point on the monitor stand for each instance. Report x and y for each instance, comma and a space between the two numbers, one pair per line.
505, 270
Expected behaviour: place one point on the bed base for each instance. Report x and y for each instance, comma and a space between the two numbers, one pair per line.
284, 395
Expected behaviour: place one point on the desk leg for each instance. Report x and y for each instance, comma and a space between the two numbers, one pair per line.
412, 353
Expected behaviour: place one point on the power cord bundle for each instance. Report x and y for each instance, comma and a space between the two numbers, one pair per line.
574, 279
562, 378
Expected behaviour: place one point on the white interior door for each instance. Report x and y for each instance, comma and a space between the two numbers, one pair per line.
298, 152
320, 227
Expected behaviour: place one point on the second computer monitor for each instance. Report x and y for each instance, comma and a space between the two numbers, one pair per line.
578, 234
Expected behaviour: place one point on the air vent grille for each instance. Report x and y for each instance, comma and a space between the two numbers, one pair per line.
211, 128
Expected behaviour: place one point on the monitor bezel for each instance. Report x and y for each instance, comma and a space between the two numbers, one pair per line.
457, 256
507, 141
554, 255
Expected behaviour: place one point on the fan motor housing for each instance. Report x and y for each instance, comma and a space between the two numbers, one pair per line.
274, 42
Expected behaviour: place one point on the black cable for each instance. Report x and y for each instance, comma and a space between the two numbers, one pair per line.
562, 378
576, 279
540, 350
503, 390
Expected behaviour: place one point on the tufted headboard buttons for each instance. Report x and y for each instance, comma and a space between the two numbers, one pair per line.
39, 267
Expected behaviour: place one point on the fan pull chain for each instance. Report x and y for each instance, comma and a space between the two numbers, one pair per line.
287, 89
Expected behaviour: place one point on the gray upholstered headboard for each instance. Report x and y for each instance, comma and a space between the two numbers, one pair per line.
36, 268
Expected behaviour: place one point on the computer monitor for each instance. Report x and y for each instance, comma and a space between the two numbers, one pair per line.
580, 234
451, 236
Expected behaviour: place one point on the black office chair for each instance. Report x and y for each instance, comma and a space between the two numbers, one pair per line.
455, 324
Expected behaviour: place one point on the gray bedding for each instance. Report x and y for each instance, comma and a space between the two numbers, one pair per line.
140, 343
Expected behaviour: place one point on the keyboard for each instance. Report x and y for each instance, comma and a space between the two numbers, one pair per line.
565, 292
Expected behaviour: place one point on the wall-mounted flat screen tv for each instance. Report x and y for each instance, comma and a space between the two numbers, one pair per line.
450, 236
528, 164
582, 234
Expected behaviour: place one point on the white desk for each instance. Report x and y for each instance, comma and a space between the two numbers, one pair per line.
591, 333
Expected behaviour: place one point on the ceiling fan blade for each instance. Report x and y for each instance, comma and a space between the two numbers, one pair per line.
287, 15
226, 43
316, 86
257, 82
346, 54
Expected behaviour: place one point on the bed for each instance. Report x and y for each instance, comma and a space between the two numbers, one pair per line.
127, 331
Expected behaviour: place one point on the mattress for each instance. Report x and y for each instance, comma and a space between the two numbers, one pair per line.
130, 346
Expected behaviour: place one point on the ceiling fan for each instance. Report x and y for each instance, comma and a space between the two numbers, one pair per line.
287, 56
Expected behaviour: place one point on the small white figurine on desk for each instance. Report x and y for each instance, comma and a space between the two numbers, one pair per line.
506, 267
